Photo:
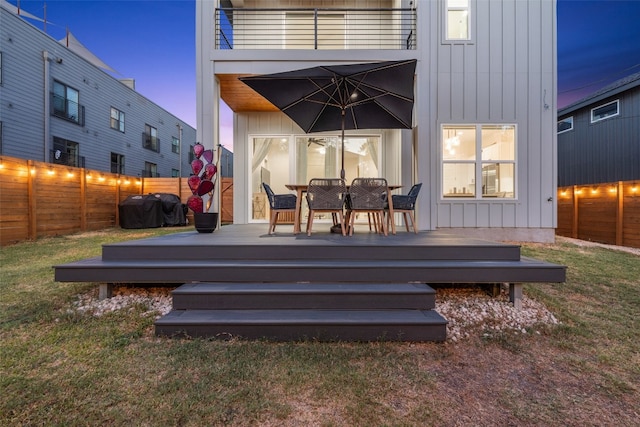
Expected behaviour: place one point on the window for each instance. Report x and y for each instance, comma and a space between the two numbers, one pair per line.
192, 156
565, 125
175, 173
150, 139
482, 154
175, 145
117, 163
605, 111
117, 119
457, 20
150, 170
66, 152
65, 103
300, 30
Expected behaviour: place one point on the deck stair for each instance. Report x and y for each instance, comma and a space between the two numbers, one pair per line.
294, 311
350, 280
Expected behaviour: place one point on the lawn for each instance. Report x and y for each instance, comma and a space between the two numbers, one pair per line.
59, 366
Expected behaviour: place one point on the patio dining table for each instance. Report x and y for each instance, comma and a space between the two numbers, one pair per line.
300, 189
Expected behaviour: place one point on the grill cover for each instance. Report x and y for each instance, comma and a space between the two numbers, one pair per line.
174, 212
141, 211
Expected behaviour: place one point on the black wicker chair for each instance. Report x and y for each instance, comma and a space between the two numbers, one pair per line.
278, 203
326, 195
406, 205
368, 195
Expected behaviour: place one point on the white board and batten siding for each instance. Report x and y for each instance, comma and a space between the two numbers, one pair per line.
504, 75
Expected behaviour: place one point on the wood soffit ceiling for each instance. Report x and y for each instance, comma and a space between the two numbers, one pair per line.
240, 97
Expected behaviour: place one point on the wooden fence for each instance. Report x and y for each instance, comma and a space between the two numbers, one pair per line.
43, 199
606, 213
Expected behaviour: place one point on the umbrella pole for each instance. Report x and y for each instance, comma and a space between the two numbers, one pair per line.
342, 169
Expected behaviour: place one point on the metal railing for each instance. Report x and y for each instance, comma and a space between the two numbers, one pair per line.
145, 173
150, 142
66, 109
59, 157
306, 28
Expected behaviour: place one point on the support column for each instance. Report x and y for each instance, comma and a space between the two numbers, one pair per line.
515, 295
105, 291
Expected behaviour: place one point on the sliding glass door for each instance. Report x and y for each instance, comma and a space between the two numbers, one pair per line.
281, 160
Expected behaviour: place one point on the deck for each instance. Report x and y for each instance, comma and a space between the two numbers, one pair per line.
246, 256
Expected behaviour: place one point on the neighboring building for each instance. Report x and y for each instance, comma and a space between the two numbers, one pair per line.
59, 106
483, 142
599, 136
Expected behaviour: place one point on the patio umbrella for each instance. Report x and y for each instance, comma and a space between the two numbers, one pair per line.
375, 95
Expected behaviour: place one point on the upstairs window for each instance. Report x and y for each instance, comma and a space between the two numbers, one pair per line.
117, 119
565, 125
175, 145
605, 111
65, 103
458, 20
150, 139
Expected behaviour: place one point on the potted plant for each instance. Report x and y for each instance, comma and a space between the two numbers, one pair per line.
202, 182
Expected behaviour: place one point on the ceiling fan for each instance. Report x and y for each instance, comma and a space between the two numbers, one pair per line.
319, 141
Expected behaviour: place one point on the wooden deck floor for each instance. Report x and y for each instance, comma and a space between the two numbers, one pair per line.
246, 253
324, 286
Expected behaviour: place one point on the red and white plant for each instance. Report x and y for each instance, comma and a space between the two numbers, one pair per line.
202, 180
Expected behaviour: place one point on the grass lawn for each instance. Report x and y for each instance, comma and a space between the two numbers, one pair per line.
60, 367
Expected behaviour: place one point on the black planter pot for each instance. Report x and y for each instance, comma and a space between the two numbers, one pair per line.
205, 222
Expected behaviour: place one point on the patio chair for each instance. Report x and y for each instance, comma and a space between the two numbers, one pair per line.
278, 203
326, 195
406, 205
368, 195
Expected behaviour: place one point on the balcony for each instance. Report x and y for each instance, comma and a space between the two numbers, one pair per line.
313, 28
59, 157
146, 173
67, 109
150, 142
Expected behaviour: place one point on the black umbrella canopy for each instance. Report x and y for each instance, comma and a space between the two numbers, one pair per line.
374, 95
359, 96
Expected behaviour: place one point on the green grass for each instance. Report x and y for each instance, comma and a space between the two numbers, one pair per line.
63, 368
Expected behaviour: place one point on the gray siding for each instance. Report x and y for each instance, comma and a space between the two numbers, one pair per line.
604, 151
26, 124
506, 74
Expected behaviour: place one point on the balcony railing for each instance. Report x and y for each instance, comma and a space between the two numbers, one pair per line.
145, 173
66, 109
59, 157
150, 142
340, 29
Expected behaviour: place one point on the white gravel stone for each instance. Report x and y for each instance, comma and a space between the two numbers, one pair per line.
468, 310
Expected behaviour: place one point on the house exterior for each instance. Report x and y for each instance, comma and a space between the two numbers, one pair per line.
483, 141
58, 106
599, 136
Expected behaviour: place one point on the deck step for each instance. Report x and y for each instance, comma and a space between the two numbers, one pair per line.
343, 296
323, 325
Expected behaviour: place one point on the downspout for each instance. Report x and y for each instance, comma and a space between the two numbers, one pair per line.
47, 107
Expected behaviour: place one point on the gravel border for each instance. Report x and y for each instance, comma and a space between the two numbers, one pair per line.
470, 311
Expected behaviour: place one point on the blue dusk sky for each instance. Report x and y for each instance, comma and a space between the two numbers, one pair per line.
153, 42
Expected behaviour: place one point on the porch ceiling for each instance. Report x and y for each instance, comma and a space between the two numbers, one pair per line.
240, 97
